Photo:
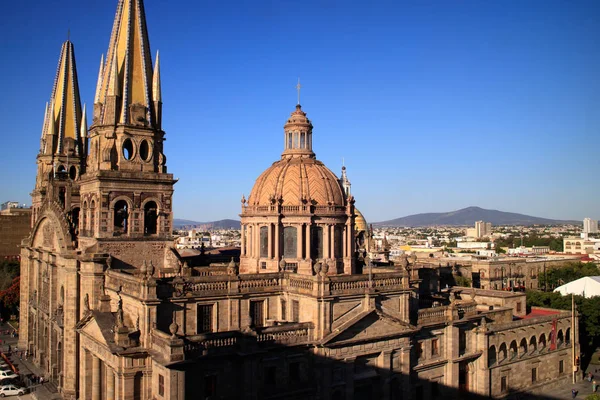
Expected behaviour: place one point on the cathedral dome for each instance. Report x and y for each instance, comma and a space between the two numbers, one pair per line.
296, 181
360, 223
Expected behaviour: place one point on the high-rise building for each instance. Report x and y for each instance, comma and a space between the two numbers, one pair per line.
590, 225
481, 229
110, 310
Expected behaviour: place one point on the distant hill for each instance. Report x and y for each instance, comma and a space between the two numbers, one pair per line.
468, 216
221, 224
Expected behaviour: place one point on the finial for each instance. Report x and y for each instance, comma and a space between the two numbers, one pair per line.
156, 87
69, 35
298, 87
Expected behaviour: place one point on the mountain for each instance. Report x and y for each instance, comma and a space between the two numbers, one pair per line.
468, 216
221, 224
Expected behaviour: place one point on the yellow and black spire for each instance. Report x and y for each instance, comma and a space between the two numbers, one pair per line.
124, 93
63, 119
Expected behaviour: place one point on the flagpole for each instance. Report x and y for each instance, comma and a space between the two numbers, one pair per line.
573, 333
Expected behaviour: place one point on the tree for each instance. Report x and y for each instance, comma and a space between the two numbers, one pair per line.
10, 296
589, 310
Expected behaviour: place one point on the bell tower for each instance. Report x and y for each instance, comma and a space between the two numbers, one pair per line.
127, 190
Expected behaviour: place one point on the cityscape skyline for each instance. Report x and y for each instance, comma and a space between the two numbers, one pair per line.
433, 107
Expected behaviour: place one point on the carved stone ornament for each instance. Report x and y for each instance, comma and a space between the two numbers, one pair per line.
120, 319
282, 265
173, 328
232, 268
324, 268
151, 269
86, 303
109, 261
317, 268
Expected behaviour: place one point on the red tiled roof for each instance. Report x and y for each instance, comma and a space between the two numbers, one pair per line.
540, 312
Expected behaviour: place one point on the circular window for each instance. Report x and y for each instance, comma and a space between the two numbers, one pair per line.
128, 149
73, 172
145, 150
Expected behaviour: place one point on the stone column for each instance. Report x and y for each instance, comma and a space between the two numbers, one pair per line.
299, 234
96, 381
326, 241
332, 242
110, 384
277, 252
243, 253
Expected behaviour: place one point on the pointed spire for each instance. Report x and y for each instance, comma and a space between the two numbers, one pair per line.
99, 83
156, 89
128, 72
45, 125
83, 132
64, 115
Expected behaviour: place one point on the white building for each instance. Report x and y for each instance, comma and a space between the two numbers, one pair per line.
590, 225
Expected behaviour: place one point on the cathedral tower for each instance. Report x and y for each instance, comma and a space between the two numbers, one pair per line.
127, 191
62, 156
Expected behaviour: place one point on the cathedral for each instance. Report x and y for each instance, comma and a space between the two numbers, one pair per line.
110, 310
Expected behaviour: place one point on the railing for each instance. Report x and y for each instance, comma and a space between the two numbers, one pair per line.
304, 284
293, 334
220, 342
432, 315
303, 209
260, 283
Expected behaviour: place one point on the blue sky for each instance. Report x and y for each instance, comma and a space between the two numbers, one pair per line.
434, 105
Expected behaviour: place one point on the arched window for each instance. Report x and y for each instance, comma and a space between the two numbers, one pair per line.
513, 349
492, 356
121, 217
523, 347
542, 342
502, 352
290, 242
560, 338
568, 336
532, 344
75, 221
92, 217
150, 218
84, 218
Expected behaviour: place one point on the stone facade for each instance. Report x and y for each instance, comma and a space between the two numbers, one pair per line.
110, 309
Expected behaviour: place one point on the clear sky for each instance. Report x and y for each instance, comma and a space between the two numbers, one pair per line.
434, 105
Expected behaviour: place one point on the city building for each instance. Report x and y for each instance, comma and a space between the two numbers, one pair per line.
590, 225
15, 224
577, 245
111, 310
481, 229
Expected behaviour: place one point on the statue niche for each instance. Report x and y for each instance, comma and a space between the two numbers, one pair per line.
137, 114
